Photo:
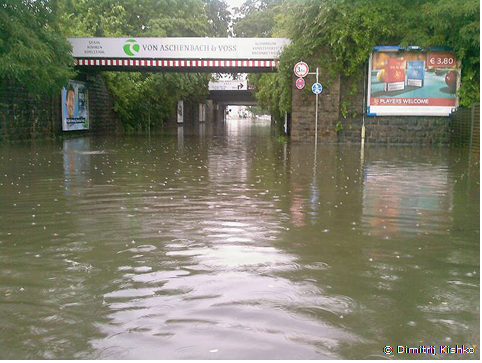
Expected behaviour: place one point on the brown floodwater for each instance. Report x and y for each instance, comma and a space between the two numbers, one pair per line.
223, 242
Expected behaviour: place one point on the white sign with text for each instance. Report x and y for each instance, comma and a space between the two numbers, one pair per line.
178, 48
228, 85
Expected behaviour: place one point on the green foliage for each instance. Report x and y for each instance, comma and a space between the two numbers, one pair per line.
219, 17
145, 100
31, 49
273, 90
256, 18
456, 23
339, 127
144, 18
344, 109
282, 139
339, 35
256, 110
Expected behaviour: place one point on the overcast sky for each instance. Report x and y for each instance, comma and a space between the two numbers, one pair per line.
234, 3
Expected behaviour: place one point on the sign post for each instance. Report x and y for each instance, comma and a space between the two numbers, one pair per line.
301, 70
316, 88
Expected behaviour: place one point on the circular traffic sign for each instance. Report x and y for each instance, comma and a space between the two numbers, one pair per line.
300, 83
317, 88
301, 69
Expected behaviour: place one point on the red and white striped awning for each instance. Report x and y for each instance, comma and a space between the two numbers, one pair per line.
173, 63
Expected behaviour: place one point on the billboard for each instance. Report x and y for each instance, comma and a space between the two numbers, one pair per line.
178, 48
75, 107
411, 83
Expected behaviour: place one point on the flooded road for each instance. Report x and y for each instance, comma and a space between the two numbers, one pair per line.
225, 243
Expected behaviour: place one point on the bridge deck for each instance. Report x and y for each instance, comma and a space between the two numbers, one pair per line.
178, 65
222, 55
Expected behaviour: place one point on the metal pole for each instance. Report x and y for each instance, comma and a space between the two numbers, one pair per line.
472, 116
316, 134
316, 113
364, 110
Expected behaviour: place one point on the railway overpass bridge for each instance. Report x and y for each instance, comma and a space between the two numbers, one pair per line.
210, 55
194, 55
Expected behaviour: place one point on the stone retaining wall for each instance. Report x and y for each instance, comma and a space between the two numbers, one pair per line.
337, 103
304, 112
103, 118
26, 116
397, 130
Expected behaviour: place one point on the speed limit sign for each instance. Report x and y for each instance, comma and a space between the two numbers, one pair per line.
301, 69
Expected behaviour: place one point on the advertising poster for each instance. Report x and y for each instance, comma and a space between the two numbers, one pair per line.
412, 83
75, 108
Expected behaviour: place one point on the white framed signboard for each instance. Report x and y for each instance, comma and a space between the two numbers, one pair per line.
404, 82
228, 85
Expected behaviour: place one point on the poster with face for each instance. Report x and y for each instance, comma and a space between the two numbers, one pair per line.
75, 110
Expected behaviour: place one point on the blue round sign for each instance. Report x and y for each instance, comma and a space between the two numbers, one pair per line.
317, 88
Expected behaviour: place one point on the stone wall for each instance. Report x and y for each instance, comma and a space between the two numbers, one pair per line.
103, 118
397, 130
303, 111
337, 102
26, 116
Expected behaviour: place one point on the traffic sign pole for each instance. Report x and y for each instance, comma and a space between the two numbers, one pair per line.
301, 69
316, 114
316, 89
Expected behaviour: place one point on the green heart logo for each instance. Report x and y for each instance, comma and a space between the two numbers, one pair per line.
131, 47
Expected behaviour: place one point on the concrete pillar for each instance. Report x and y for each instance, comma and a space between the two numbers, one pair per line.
209, 111
220, 112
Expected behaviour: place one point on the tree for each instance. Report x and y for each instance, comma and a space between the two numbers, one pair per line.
340, 35
31, 49
454, 23
219, 17
256, 18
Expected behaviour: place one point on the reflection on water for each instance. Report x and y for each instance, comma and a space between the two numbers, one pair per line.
222, 243
76, 163
404, 198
